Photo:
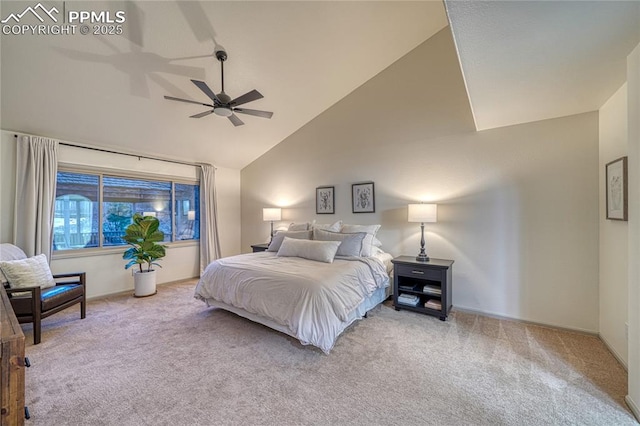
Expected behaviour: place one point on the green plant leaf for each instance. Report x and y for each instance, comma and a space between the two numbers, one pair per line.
142, 235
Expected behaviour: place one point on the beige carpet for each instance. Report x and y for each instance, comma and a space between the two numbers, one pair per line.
170, 360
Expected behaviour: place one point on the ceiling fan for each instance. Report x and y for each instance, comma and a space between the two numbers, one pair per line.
223, 105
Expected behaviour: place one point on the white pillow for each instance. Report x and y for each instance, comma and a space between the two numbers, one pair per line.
9, 252
321, 251
304, 226
279, 237
371, 230
350, 244
334, 227
33, 271
377, 251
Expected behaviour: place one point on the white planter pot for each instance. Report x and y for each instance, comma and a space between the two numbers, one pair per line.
145, 283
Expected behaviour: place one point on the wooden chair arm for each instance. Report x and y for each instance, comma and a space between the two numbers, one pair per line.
72, 274
22, 289
82, 278
34, 290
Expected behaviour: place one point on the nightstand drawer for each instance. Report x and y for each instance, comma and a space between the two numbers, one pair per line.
419, 273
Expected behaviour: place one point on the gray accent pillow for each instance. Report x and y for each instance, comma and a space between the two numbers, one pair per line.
279, 237
371, 230
350, 244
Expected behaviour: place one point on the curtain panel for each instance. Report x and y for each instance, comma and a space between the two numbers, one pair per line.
209, 240
36, 170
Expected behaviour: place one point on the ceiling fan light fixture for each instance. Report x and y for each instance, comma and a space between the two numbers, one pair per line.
223, 111
223, 105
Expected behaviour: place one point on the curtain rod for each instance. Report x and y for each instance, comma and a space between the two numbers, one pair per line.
186, 163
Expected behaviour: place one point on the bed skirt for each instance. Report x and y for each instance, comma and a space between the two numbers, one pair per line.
377, 297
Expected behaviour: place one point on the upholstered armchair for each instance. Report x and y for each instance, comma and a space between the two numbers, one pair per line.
32, 303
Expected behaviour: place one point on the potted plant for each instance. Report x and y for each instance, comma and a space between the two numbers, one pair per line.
143, 236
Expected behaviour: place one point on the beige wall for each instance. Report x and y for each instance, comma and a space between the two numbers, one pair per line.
613, 292
105, 270
7, 185
633, 102
518, 206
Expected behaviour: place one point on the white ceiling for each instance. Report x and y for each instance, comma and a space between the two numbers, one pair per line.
532, 60
522, 61
108, 90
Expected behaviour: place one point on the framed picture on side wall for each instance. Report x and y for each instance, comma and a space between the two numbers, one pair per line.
363, 197
325, 200
616, 187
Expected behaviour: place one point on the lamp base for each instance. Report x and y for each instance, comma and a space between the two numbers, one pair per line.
422, 257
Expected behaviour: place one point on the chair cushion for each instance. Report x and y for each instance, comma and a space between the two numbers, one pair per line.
55, 296
10, 252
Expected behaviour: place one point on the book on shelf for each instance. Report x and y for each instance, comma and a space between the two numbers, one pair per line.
405, 287
408, 299
431, 289
433, 304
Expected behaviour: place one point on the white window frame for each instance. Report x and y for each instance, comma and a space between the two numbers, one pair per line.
100, 173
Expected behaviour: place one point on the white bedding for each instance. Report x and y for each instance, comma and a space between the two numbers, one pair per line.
313, 301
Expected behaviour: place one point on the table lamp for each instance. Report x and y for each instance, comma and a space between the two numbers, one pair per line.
422, 213
271, 214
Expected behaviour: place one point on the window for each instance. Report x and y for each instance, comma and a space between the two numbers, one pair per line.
90, 205
187, 210
75, 223
122, 197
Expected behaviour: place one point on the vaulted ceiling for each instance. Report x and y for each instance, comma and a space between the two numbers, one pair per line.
522, 61
108, 89
525, 61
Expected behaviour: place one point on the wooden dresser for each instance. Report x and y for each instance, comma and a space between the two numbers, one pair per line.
11, 365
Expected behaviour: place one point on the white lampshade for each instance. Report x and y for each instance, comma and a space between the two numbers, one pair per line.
191, 215
149, 214
271, 214
423, 213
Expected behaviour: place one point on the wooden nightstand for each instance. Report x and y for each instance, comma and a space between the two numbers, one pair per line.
259, 247
425, 281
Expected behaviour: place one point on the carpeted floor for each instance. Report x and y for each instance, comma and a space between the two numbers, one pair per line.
170, 360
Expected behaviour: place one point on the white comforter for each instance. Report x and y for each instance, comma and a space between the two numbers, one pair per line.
313, 300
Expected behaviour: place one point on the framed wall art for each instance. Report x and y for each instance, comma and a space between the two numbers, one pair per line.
363, 197
616, 188
325, 200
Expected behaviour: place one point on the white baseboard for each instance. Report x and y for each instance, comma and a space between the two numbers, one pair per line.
130, 291
615, 354
525, 321
633, 407
592, 333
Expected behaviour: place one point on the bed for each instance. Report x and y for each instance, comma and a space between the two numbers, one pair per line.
310, 300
